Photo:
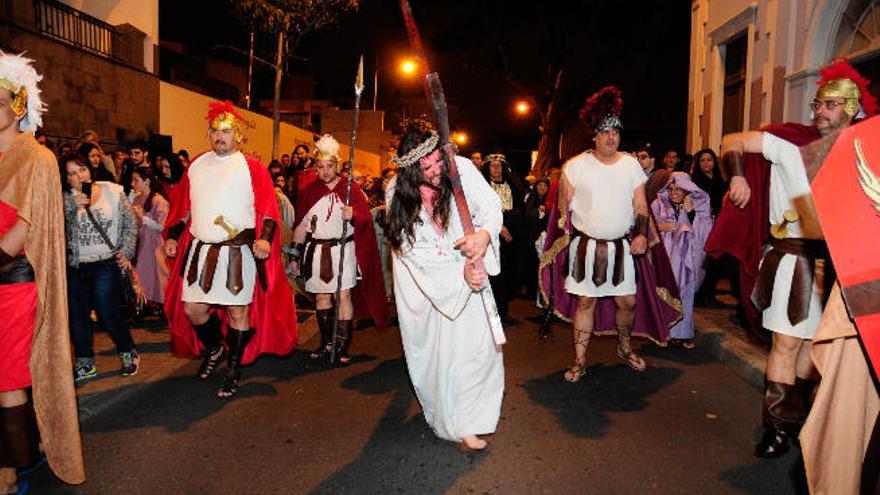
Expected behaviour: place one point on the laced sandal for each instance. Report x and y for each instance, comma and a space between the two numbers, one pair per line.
576, 372
320, 353
633, 360
210, 363
229, 386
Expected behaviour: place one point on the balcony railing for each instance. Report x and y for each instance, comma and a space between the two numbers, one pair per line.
66, 24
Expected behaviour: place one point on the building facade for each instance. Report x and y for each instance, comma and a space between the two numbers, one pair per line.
756, 62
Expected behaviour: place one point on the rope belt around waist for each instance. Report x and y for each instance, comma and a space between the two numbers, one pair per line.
234, 276
17, 271
326, 258
600, 260
806, 252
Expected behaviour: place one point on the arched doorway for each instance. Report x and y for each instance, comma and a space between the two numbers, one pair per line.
858, 39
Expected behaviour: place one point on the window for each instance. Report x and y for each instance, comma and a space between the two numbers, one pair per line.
734, 84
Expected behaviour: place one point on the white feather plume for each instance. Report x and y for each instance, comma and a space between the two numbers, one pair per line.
19, 71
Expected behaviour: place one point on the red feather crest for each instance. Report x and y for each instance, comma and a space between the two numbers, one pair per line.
215, 108
606, 102
840, 69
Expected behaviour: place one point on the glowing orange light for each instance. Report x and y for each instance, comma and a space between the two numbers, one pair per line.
522, 107
460, 137
408, 67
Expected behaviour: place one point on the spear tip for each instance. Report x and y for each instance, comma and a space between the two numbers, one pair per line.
359, 82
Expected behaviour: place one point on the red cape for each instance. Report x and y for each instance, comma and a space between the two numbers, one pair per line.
368, 295
741, 233
272, 312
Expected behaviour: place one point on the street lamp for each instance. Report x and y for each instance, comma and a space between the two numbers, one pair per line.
406, 66
521, 107
460, 137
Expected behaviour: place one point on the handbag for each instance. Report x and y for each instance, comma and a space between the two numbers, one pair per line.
128, 279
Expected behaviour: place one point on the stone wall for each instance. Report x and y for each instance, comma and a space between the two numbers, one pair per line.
85, 91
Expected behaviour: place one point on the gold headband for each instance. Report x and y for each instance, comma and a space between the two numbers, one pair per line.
842, 88
19, 97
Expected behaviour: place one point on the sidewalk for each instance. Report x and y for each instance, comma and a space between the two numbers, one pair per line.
156, 363
730, 343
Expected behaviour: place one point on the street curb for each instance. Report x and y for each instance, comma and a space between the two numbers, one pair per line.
729, 344
93, 404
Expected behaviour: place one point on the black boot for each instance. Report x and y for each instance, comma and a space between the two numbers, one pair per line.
781, 419
803, 390
19, 436
236, 340
343, 340
325, 325
211, 337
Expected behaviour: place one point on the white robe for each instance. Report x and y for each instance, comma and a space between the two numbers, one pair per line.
455, 367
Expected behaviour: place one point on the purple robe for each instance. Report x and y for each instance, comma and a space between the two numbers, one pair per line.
658, 306
150, 263
685, 245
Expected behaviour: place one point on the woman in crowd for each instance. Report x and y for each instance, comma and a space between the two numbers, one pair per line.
684, 220
707, 176
151, 210
534, 223
91, 212
94, 156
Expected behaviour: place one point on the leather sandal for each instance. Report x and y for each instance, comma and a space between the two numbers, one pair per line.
633, 360
575, 372
210, 362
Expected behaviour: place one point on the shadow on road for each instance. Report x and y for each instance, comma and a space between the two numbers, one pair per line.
177, 402
582, 408
403, 454
753, 478
677, 354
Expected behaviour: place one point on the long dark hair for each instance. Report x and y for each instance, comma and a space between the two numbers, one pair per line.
403, 214
716, 170
149, 173
62, 168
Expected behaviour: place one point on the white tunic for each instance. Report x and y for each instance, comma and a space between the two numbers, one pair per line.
455, 367
602, 208
220, 186
788, 180
328, 225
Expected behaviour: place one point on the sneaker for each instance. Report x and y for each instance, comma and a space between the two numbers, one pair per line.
130, 361
84, 369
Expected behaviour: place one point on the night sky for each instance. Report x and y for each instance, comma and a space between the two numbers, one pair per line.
640, 46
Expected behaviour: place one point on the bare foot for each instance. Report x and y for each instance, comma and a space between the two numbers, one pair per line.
471, 443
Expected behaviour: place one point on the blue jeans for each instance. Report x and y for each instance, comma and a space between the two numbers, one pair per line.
96, 285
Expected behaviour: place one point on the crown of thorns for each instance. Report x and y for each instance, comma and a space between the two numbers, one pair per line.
418, 152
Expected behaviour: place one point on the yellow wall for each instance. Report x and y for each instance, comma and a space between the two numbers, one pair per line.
182, 116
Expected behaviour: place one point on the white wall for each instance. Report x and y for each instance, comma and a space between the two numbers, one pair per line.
142, 14
182, 116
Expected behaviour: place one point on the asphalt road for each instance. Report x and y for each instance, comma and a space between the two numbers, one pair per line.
686, 425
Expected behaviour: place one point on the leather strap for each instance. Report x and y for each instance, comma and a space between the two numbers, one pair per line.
642, 224
175, 231
207, 278
193, 273
16, 271
234, 276
267, 233
862, 299
600, 263
731, 164
806, 252
5, 257
326, 266
326, 263
600, 260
